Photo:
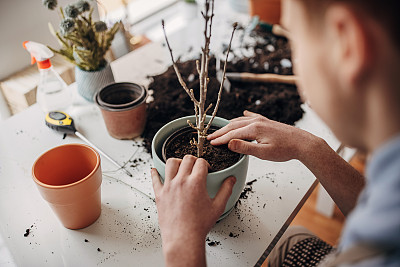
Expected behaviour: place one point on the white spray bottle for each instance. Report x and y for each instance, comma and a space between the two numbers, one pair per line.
52, 92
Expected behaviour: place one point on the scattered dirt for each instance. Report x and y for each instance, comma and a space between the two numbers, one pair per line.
233, 235
279, 102
212, 243
247, 189
27, 231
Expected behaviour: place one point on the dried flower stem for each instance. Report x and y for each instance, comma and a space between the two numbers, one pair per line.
202, 69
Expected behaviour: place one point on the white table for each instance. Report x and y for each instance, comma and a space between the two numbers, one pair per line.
127, 231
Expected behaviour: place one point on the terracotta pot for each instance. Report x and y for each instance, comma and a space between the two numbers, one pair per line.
214, 179
69, 178
267, 10
123, 106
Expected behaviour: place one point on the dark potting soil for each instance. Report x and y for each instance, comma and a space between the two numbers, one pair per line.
280, 102
219, 157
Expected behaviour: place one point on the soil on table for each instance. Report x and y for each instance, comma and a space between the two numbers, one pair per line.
219, 157
280, 102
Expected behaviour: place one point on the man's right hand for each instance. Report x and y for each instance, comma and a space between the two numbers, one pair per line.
275, 141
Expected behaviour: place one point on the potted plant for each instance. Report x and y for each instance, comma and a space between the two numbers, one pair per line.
192, 131
84, 42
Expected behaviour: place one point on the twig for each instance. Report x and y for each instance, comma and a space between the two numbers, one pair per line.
223, 79
181, 81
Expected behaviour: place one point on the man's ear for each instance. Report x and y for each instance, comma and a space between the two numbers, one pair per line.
351, 43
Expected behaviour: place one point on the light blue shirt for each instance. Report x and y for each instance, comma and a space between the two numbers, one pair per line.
376, 218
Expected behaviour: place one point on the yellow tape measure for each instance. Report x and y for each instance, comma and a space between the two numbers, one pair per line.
60, 121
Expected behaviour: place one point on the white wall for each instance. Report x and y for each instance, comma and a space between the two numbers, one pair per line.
22, 20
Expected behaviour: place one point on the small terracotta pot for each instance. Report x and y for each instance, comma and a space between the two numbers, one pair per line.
267, 10
69, 178
123, 106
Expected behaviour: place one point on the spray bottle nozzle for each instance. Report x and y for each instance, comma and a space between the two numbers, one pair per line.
39, 53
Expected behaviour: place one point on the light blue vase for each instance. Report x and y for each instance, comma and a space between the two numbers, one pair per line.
90, 82
214, 179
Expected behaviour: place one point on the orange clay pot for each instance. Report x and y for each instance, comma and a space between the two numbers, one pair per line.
123, 106
268, 10
69, 179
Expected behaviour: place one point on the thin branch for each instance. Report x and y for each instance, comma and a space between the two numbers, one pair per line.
181, 81
196, 112
208, 108
198, 66
223, 79
211, 18
192, 125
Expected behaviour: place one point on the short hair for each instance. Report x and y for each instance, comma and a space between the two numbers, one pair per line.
385, 12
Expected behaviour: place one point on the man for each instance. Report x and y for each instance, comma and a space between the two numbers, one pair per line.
347, 57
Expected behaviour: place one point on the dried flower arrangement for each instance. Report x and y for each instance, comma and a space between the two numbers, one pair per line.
202, 68
84, 41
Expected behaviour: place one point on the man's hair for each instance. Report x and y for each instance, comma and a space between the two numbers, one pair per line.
385, 12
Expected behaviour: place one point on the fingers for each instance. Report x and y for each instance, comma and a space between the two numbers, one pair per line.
224, 193
239, 119
235, 124
200, 170
186, 166
171, 168
249, 148
231, 126
155, 177
247, 113
245, 133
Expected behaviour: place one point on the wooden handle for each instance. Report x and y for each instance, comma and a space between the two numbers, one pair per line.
268, 78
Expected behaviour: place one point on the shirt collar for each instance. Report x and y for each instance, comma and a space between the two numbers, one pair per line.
381, 157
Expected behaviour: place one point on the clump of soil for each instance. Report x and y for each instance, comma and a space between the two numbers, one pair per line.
245, 193
212, 243
280, 102
27, 232
219, 157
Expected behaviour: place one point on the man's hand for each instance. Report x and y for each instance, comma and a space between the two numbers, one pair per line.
280, 142
275, 141
186, 213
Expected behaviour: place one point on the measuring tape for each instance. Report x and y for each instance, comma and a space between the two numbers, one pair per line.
60, 121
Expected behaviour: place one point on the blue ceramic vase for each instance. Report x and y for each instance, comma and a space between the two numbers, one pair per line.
90, 82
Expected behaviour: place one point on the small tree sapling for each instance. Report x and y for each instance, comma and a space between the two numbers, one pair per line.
202, 68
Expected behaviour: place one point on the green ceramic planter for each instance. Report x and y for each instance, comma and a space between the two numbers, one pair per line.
214, 179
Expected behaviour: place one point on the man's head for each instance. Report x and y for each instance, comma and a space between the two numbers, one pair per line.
347, 56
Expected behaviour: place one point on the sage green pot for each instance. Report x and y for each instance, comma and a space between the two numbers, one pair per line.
90, 82
214, 179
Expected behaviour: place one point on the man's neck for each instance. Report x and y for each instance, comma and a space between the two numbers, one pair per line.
382, 118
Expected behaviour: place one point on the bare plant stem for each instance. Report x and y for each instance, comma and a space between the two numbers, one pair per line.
202, 68
223, 80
